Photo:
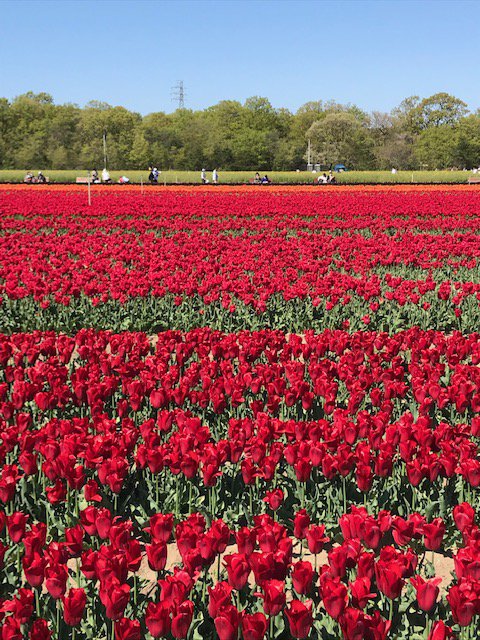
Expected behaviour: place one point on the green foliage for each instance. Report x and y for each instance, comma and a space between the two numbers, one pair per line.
434, 131
341, 138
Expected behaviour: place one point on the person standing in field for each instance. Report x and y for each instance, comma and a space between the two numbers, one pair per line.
215, 176
203, 177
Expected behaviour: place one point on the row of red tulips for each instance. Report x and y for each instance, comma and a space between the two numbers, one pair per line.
333, 418
265, 580
238, 260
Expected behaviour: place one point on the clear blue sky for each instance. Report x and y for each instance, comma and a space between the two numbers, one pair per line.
133, 52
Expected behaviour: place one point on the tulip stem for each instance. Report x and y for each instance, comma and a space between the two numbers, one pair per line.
204, 586
78, 576
37, 602
427, 626
177, 497
19, 563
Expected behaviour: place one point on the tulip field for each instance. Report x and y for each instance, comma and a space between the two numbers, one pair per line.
235, 413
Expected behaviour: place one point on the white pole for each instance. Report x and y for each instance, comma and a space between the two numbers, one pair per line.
89, 194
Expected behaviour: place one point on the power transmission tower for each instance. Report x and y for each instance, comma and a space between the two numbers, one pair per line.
178, 95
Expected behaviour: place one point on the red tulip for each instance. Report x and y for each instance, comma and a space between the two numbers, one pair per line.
21, 606
361, 592
427, 591
91, 492
238, 570
316, 538
434, 533
389, 573
462, 603
300, 524
254, 626
182, 620
157, 555
334, 595
34, 569
161, 526
245, 539
16, 524
353, 624
302, 577
274, 597
219, 597
56, 576
114, 597
300, 620
40, 630
464, 516
440, 631
126, 629
274, 499
158, 618
57, 493
227, 623
74, 606
11, 629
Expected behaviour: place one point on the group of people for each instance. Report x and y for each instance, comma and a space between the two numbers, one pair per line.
259, 180
31, 179
204, 179
327, 179
106, 179
153, 175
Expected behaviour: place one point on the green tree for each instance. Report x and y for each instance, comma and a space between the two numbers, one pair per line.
340, 138
225, 121
62, 144
434, 147
6, 133
140, 152
466, 150
438, 110
162, 139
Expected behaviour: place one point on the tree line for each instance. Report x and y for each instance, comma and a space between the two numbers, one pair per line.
436, 132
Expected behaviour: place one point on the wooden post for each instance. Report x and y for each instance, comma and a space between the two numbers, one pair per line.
89, 194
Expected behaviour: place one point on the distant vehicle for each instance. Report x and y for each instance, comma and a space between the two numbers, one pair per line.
339, 168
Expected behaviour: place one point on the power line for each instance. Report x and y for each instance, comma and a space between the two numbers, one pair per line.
178, 95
